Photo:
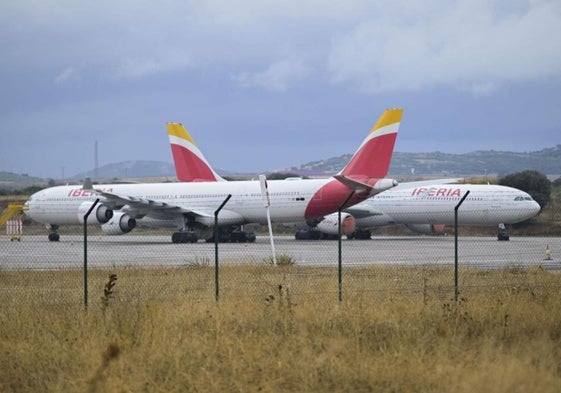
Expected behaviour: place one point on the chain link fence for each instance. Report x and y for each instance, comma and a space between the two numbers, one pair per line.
145, 266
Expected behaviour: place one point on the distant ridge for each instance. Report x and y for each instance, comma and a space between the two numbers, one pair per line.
130, 169
10, 177
490, 162
500, 163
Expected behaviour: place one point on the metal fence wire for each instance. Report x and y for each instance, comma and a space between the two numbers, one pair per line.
145, 266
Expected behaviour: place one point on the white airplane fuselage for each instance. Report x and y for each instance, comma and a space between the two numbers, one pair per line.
485, 205
290, 200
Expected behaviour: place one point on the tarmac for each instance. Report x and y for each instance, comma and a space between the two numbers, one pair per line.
35, 252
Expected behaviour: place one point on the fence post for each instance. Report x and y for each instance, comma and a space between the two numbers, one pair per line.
216, 285
456, 245
340, 264
86, 253
267, 203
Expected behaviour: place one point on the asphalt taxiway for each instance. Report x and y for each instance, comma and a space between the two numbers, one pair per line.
35, 252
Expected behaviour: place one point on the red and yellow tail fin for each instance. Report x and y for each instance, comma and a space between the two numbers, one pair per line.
190, 164
371, 161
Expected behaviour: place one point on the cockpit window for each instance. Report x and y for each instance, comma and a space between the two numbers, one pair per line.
523, 198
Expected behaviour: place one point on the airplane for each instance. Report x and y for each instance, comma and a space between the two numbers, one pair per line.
428, 209
190, 207
423, 206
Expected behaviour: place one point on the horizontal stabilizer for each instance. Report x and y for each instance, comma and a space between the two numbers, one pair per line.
362, 211
374, 186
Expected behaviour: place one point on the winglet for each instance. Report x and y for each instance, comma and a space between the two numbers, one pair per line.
371, 161
190, 163
88, 184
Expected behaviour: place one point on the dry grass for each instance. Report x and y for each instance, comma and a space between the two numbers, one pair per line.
280, 329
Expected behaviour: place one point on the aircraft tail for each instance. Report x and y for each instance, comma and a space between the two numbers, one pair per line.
371, 161
190, 164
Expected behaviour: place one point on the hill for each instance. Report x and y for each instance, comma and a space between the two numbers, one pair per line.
134, 170
16, 178
547, 161
490, 162
130, 169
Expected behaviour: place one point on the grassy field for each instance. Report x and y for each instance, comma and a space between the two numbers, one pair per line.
284, 332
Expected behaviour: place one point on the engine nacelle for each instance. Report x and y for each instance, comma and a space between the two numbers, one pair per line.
330, 224
101, 213
428, 229
119, 224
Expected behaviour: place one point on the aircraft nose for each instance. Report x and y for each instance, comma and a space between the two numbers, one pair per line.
536, 207
25, 207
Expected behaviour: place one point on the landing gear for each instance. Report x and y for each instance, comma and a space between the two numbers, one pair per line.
53, 235
307, 234
313, 234
503, 234
184, 237
223, 237
242, 237
360, 234
233, 237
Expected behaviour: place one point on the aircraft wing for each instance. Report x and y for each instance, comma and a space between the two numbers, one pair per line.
140, 207
116, 201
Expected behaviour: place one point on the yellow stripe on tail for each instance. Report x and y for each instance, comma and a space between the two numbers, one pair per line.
177, 129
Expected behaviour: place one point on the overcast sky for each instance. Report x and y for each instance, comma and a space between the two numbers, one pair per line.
264, 84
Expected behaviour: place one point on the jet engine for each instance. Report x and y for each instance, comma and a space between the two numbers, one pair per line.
119, 224
330, 224
101, 213
428, 229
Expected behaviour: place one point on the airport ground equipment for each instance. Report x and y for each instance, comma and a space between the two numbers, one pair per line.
13, 227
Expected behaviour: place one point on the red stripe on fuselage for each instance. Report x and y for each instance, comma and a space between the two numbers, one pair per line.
328, 198
189, 167
373, 159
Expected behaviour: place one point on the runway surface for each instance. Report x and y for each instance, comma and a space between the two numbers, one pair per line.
37, 253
